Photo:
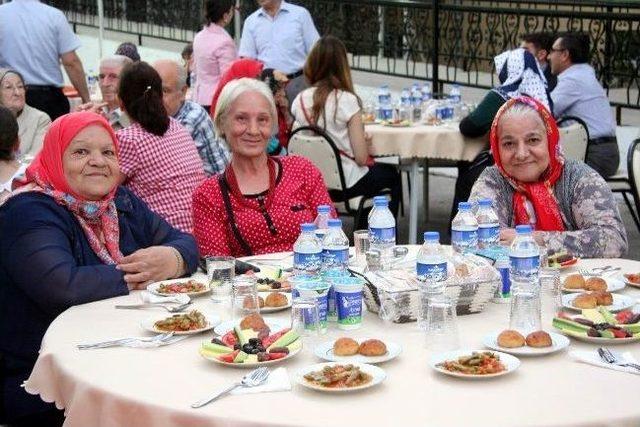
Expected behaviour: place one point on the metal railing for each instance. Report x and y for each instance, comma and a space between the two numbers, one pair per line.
403, 38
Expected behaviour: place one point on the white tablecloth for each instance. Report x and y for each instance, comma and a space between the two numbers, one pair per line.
154, 387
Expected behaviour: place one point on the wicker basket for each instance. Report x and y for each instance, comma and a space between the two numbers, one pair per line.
403, 305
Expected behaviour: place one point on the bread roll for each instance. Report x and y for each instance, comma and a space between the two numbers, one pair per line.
252, 321
345, 347
372, 348
603, 297
585, 301
539, 339
510, 339
595, 284
574, 281
276, 299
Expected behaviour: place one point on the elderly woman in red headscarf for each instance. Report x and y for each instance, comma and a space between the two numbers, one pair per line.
71, 235
568, 204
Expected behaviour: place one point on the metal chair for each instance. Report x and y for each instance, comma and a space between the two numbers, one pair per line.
316, 145
574, 138
629, 185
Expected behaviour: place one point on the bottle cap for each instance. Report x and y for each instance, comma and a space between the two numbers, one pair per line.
523, 229
487, 203
431, 236
335, 223
464, 206
380, 201
324, 209
307, 227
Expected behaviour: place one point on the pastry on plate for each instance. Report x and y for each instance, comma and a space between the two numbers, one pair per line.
345, 347
585, 301
372, 347
603, 297
276, 299
510, 339
574, 281
595, 284
539, 339
253, 321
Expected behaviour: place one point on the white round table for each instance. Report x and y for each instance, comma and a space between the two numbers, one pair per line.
154, 387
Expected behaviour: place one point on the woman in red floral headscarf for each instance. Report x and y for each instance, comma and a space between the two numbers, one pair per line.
568, 204
71, 235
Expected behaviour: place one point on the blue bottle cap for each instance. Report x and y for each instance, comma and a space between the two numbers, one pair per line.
431, 236
380, 201
464, 206
335, 223
306, 227
523, 229
485, 203
324, 209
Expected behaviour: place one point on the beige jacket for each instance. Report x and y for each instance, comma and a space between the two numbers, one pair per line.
32, 124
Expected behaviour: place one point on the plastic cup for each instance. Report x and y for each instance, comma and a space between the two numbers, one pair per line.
220, 272
361, 244
329, 276
349, 301
300, 279
320, 291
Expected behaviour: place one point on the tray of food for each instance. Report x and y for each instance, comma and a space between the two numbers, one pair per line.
600, 326
339, 378
537, 343
190, 287
189, 323
476, 364
612, 302
580, 283
345, 349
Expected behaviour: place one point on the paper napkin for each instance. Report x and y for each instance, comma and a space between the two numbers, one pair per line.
592, 358
149, 298
277, 381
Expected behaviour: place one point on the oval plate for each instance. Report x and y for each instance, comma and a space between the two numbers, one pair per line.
600, 340
254, 364
153, 288
630, 283
559, 342
613, 284
148, 325
377, 376
620, 302
510, 362
325, 351
266, 309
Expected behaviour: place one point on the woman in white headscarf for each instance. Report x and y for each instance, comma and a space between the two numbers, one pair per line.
519, 74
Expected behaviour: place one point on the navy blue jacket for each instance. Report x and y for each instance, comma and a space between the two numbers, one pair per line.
47, 266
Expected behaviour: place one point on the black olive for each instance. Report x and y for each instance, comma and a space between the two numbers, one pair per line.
236, 346
254, 351
247, 348
276, 285
254, 341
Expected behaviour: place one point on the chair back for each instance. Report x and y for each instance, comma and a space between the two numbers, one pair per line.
574, 138
314, 144
633, 167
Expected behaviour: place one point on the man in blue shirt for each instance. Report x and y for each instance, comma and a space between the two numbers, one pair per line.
34, 39
280, 35
212, 150
578, 93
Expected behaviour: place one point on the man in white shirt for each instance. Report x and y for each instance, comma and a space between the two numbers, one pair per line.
579, 94
34, 39
280, 35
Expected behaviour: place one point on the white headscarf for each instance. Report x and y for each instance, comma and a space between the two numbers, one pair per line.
520, 74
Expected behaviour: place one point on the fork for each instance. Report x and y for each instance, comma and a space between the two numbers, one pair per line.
252, 379
608, 356
170, 309
122, 341
598, 271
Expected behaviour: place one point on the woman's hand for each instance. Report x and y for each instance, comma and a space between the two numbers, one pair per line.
149, 265
507, 235
94, 107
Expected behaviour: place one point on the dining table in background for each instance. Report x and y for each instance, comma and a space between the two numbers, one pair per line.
421, 144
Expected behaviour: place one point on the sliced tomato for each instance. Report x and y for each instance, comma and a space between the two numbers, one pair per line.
569, 262
619, 333
230, 339
276, 356
624, 316
266, 342
228, 358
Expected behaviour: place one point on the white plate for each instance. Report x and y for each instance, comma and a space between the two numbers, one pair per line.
153, 288
228, 325
613, 284
600, 340
148, 325
510, 362
325, 351
559, 342
620, 302
630, 283
377, 374
252, 365
266, 309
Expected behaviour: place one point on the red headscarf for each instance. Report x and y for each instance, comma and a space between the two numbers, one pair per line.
539, 194
46, 174
244, 67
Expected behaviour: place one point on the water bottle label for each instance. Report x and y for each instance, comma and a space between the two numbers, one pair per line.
464, 239
435, 272
387, 113
349, 306
505, 288
382, 235
332, 311
307, 262
335, 257
524, 267
489, 235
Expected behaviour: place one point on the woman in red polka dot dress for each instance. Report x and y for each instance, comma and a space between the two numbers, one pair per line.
257, 205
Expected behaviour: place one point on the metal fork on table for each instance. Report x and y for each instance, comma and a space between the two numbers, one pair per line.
598, 271
608, 356
123, 341
252, 379
170, 309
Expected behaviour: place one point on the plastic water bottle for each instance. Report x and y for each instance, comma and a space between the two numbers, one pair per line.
488, 225
384, 108
405, 96
92, 85
464, 229
322, 221
307, 251
455, 99
431, 272
382, 228
335, 247
416, 102
426, 92
524, 255
405, 108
